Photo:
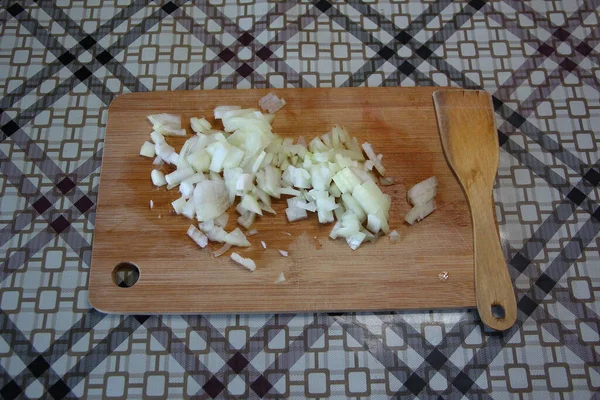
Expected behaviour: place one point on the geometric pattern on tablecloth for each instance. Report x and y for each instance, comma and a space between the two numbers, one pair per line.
62, 65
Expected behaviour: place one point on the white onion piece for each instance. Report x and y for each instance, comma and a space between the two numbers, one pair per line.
245, 262
246, 219
170, 120
237, 238
373, 223
280, 278
197, 236
263, 244
387, 181
249, 203
252, 232
158, 162
166, 130
286, 233
189, 210
222, 250
283, 253
295, 214
222, 219
178, 205
151, 204
158, 178
394, 237
211, 199
221, 110
164, 151
346, 180
373, 157
186, 187
423, 191
157, 137
147, 150
271, 103
200, 125
417, 213
354, 241
175, 177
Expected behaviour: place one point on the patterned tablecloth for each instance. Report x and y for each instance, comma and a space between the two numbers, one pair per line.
61, 64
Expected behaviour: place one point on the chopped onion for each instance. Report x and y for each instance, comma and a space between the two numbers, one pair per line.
373, 157
197, 236
222, 250
423, 191
170, 120
330, 176
245, 262
211, 199
417, 213
287, 233
221, 110
200, 125
271, 103
280, 278
237, 238
246, 219
394, 237
178, 205
175, 177
283, 252
222, 219
151, 204
354, 241
387, 181
158, 178
252, 232
263, 244
158, 162
147, 150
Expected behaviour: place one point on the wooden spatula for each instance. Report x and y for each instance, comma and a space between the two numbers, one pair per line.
470, 142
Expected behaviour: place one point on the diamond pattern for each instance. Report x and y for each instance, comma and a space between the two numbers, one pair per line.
61, 67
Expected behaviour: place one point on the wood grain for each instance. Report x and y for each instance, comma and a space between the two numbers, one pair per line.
470, 142
322, 274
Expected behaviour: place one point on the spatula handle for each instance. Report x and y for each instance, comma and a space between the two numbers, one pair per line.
495, 295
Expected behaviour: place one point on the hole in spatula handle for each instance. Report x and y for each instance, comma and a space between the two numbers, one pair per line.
126, 274
498, 311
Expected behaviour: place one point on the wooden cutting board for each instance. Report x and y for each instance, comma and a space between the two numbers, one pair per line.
175, 276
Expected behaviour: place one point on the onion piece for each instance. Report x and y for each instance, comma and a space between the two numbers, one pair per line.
280, 278
283, 253
271, 103
221, 110
354, 241
423, 191
222, 250
170, 120
147, 150
200, 125
197, 236
211, 199
263, 244
158, 178
178, 205
252, 232
175, 177
222, 219
387, 181
237, 238
151, 204
246, 219
245, 262
368, 148
394, 237
417, 213
158, 162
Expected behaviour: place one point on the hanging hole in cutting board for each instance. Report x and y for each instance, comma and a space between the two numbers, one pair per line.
498, 311
126, 274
